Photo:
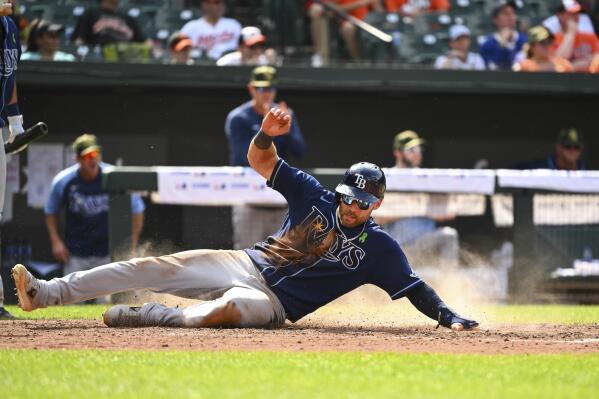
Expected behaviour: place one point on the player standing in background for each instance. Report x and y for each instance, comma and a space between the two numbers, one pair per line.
327, 246
252, 223
11, 116
79, 189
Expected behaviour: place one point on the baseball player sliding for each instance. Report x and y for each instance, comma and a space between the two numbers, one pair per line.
327, 246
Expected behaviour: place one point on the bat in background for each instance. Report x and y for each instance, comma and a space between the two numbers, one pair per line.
376, 32
22, 140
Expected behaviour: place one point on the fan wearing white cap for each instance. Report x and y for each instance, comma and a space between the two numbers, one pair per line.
562, 7
251, 51
459, 55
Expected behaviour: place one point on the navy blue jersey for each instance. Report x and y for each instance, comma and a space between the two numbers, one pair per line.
86, 204
241, 126
312, 260
11, 53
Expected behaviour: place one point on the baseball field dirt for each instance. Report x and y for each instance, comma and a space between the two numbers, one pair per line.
308, 336
364, 320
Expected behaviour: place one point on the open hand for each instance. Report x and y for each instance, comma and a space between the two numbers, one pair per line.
276, 122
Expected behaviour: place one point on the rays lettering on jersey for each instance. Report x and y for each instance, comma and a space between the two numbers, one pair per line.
345, 252
340, 250
88, 205
10, 58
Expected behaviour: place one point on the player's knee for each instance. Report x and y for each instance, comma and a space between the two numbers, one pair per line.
315, 11
347, 29
227, 314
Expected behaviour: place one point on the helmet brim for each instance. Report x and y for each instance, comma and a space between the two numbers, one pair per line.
356, 192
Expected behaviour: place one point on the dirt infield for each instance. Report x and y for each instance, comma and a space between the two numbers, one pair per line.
310, 336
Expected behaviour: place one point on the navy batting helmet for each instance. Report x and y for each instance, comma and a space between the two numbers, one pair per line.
364, 181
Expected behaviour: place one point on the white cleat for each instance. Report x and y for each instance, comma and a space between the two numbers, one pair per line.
123, 316
27, 287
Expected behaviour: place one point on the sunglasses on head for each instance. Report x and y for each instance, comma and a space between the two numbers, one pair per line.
349, 200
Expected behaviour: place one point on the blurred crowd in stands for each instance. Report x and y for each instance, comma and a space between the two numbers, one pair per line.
520, 35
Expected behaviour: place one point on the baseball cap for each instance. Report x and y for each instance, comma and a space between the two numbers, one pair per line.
179, 42
406, 140
570, 137
85, 144
44, 26
571, 6
500, 6
264, 76
457, 31
538, 34
251, 35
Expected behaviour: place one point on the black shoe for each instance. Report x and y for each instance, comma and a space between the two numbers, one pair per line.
5, 315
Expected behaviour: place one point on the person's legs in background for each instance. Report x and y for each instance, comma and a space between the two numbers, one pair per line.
4, 314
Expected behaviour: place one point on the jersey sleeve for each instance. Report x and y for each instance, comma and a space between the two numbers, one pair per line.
137, 204
239, 139
295, 185
296, 140
394, 273
55, 198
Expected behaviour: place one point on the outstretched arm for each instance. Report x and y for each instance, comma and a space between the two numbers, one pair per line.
426, 300
262, 154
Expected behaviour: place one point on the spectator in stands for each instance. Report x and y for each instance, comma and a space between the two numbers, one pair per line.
423, 241
577, 46
79, 189
251, 223
594, 68
459, 56
43, 42
538, 54
252, 50
415, 7
106, 25
319, 26
553, 23
501, 48
213, 34
180, 47
567, 154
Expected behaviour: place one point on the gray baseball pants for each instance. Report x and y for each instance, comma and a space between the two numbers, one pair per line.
238, 295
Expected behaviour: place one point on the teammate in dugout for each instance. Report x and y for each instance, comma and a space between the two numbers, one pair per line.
12, 120
327, 246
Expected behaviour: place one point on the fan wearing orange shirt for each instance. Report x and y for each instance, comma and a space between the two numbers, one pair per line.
415, 7
318, 17
538, 54
577, 47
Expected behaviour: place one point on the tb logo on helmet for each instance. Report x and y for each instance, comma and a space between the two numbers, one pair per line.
360, 181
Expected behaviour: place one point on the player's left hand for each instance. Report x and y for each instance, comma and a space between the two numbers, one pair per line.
15, 126
276, 122
448, 318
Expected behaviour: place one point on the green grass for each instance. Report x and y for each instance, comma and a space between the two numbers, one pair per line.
403, 312
95, 374
61, 312
556, 314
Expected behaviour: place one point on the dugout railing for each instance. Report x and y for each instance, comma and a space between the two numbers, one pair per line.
538, 249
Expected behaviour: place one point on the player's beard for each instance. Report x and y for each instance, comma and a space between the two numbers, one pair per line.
348, 218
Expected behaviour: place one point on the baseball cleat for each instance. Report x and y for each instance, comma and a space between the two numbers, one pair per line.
5, 314
123, 316
27, 287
